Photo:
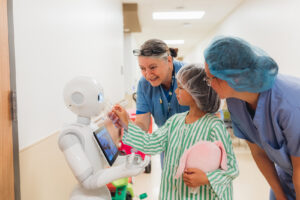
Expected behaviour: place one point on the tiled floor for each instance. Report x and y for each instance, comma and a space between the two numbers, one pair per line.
249, 185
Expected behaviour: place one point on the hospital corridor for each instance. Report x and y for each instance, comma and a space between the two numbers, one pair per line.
249, 185
149, 99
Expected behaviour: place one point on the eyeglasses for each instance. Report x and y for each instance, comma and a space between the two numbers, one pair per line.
208, 80
147, 52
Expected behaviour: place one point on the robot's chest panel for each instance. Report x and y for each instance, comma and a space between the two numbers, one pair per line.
92, 151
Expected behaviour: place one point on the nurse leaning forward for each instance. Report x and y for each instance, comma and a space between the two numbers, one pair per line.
264, 108
156, 89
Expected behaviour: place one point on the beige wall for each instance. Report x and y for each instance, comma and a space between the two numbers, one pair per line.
44, 172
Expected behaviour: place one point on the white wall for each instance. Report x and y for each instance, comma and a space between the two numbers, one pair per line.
132, 72
272, 25
54, 42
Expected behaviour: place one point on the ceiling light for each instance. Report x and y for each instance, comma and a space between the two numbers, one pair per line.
174, 41
178, 15
180, 7
186, 24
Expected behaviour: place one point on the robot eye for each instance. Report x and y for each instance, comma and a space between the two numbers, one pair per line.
100, 97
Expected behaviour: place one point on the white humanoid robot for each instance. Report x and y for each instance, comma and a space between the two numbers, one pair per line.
84, 97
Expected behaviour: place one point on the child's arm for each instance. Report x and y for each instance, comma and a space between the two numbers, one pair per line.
134, 136
119, 116
219, 179
153, 143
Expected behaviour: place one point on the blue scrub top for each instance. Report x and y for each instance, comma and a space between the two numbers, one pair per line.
153, 99
275, 126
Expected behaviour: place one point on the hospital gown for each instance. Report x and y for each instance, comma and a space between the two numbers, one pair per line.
174, 138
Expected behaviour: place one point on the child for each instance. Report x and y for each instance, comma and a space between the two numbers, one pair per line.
181, 132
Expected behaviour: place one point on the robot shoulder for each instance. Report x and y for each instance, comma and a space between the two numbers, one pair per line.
69, 136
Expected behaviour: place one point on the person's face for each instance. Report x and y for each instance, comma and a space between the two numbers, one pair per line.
183, 97
156, 71
220, 86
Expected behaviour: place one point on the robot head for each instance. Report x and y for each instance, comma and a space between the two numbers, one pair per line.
84, 96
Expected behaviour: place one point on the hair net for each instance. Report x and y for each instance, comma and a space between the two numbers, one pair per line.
191, 77
242, 66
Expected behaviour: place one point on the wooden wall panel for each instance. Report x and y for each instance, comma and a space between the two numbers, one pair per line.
6, 143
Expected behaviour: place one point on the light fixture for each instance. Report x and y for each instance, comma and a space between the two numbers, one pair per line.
174, 41
187, 24
178, 15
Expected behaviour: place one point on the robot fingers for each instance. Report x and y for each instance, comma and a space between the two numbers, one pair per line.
146, 161
130, 158
135, 160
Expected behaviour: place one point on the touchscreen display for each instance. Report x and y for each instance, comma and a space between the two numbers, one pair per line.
106, 144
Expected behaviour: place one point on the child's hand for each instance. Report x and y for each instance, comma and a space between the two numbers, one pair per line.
193, 177
115, 119
121, 117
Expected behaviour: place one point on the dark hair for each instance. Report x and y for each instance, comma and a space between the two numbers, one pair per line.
173, 52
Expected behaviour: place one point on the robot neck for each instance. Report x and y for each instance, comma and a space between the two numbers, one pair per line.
83, 120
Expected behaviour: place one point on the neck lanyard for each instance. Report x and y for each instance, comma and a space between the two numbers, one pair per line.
170, 92
172, 84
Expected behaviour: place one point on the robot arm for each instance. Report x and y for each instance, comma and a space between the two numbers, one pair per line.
82, 169
71, 146
133, 166
120, 160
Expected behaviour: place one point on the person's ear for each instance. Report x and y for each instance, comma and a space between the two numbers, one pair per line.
170, 60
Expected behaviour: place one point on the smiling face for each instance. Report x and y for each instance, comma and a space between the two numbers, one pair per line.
156, 71
220, 86
183, 97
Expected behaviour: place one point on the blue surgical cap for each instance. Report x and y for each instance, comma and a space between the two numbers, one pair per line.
243, 66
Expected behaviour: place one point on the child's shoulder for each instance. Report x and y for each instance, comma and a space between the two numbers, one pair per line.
217, 126
214, 120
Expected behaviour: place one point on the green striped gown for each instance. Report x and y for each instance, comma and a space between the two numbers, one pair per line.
174, 138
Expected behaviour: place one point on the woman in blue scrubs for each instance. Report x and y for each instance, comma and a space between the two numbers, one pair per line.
156, 89
264, 108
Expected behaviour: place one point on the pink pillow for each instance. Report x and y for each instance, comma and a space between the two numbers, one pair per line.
204, 155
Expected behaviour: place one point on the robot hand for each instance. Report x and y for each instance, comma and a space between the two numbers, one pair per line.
130, 165
135, 165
